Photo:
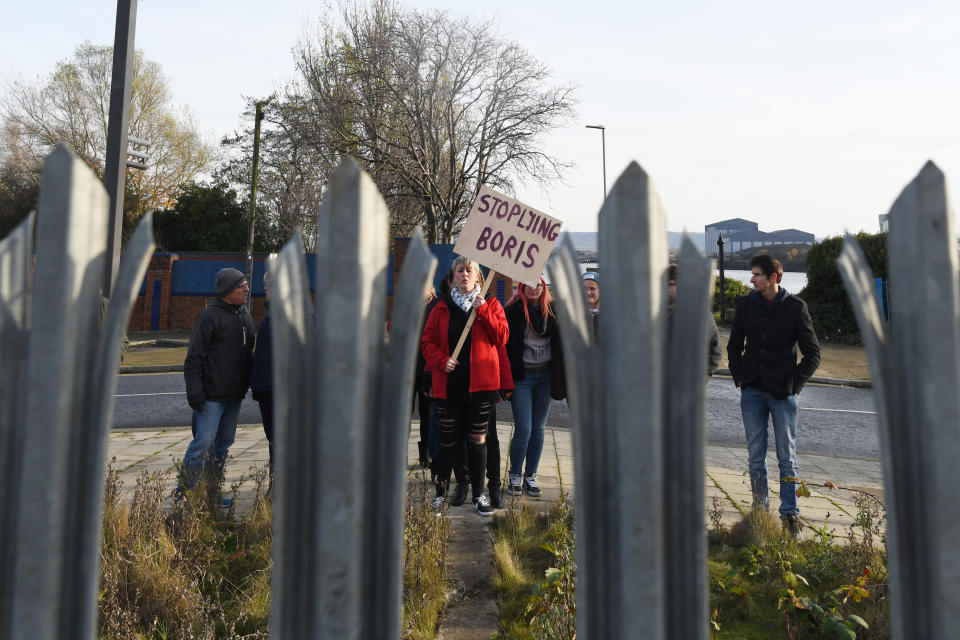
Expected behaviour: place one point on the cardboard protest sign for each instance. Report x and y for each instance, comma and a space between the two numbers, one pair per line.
508, 236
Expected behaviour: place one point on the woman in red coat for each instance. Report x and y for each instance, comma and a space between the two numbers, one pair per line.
466, 388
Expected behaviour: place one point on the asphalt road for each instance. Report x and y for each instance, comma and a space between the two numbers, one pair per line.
835, 420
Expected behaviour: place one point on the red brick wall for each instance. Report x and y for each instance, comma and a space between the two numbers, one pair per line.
180, 312
160, 269
176, 312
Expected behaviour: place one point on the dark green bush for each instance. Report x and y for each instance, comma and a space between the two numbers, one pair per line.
825, 294
733, 291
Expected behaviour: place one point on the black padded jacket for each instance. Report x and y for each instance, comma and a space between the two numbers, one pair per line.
763, 344
220, 354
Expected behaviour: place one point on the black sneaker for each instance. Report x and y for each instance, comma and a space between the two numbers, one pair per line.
792, 525
483, 506
496, 498
530, 485
459, 494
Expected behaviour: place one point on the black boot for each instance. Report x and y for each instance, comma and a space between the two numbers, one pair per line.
424, 458
496, 498
459, 494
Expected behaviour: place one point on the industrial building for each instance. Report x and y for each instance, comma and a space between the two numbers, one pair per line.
740, 234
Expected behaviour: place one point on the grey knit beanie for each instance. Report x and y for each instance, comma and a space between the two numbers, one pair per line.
228, 279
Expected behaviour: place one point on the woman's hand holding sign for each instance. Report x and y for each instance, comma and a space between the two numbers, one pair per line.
451, 365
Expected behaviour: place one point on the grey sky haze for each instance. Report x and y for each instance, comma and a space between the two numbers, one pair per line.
811, 116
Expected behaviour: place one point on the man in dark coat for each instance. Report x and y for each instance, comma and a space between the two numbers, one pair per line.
773, 323
217, 374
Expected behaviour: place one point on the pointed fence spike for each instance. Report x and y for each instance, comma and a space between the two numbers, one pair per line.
16, 255
295, 590
384, 501
925, 365
685, 547
633, 336
87, 449
352, 263
71, 236
858, 280
588, 430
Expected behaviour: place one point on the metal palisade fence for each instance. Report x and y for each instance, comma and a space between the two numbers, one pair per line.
915, 368
636, 391
637, 399
343, 403
58, 377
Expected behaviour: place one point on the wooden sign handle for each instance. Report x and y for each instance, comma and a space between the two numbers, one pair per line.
473, 315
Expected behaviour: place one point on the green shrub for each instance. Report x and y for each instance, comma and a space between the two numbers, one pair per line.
733, 291
825, 294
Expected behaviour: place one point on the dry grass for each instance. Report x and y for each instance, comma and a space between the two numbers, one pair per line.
759, 528
534, 573
191, 572
198, 571
426, 540
151, 356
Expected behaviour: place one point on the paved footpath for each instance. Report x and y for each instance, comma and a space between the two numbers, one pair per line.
726, 472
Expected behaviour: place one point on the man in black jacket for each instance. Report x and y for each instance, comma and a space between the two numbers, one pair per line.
773, 323
217, 374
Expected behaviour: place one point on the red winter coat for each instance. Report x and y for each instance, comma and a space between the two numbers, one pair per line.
487, 337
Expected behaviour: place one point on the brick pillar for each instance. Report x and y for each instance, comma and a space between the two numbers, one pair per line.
159, 270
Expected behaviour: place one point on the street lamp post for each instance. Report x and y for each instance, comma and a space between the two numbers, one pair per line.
603, 141
114, 177
723, 286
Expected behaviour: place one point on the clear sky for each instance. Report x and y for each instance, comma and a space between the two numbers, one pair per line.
812, 115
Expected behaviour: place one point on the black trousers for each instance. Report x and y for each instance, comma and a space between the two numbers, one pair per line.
493, 451
423, 409
461, 418
265, 400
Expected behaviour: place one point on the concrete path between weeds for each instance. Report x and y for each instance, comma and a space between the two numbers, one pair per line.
472, 612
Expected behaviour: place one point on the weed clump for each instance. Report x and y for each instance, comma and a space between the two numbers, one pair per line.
535, 573
426, 541
190, 571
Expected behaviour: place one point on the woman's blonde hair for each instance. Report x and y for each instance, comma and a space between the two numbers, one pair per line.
473, 264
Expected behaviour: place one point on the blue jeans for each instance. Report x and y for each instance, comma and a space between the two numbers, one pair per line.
213, 433
531, 404
757, 407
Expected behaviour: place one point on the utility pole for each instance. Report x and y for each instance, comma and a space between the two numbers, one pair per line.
115, 171
253, 197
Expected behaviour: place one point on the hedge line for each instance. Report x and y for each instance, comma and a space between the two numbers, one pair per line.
825, 295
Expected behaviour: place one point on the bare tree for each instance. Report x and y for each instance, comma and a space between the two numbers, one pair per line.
293, 168
72, 105
433, 106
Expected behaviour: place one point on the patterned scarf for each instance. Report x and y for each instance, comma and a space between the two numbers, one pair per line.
464, 300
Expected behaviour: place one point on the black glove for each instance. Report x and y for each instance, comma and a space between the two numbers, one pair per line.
196, 405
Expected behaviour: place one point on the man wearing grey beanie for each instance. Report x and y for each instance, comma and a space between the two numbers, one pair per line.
217, 374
